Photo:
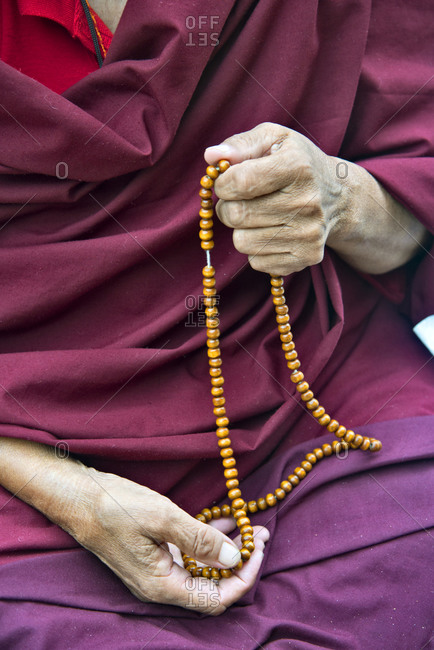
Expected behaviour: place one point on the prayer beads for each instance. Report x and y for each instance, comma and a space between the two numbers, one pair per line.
347, 439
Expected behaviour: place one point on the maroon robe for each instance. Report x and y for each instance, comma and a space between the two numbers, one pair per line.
103, 352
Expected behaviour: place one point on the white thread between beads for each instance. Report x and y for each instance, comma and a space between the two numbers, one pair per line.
208, 258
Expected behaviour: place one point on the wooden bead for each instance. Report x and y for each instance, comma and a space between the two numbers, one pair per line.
219, 401
215, 363
212, 343
224, 442
206, 213
222, 422
262, 504
340, 431
217, 381
358, 439
209, 291
286, 337
279, 493
336, 446
201, 518
287, 347
220, 410
225, 573
349, 436
232, 483
279, 300
216, 512
238, 504
215, 574
227, 452
284, 329
293, 479
222, 432
365, 444
375, 445
206, 572
333, 426
302, 386
207, 514
290, 356
327, 449
230, 473
300, 472
211, 311
311, 458
205, 193
246, 537
223, 165
306, 465
226, 510
243, 521
229, 462
234, 494
206, 224
207, 182
312, 404
318, 453
252, 506
276, 281
207, 246
277, 291
250, 546
245, 554
281, 309
324, 420
271, 500
282, 318
215, 372
207, 204
318, 412
196, 572
294, 365
212, 323
238, 514
212, 172
206, 235
216, 391
286, 485
297, 376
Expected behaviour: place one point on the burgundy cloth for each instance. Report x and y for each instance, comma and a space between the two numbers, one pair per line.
102, 350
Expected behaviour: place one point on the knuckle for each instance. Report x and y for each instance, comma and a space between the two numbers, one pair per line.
204, 542
235, 213
241, 240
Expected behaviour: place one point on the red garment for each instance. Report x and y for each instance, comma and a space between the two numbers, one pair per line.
35, 38
100, 338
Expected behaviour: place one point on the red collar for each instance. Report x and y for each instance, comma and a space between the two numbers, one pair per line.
69, 14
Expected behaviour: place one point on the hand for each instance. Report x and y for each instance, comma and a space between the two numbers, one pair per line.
285, 199
138, 534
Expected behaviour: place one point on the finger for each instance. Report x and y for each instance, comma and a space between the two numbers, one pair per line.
278, 264
307, 241
204, 543
244, 146
225, 524
274, 209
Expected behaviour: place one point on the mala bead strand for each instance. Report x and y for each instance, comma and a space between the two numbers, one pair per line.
346, 438
297, 377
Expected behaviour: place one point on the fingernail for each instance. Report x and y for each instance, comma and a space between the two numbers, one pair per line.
223, 149
229, 555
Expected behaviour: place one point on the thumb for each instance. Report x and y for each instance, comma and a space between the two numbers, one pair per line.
248, 145
202, 542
